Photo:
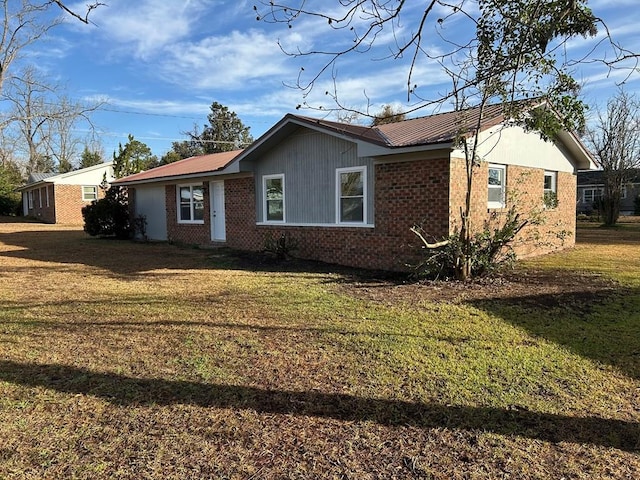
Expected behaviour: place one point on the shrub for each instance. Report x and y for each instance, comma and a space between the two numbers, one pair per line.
109, 216
281, 246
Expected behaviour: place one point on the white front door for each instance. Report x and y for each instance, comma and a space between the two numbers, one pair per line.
218, 233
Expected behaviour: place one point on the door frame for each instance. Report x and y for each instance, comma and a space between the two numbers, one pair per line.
217, 212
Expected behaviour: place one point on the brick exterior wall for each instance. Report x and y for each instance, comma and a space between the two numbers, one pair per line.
526, 186
191, 233
65, 204
406, 194
424, 192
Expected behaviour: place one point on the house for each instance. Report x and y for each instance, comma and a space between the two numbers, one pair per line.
349, 194
591, 190
59, 198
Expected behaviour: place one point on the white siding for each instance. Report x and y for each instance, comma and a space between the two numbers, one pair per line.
499, 144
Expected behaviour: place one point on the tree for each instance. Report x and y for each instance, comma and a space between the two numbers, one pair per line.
109, 216
614, 138
388, 114
89, 158
10, 179
512, 54
134, 157
25, 22
224, 132
45, 122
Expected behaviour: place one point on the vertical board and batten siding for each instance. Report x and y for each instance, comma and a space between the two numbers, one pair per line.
309, 160
150, 202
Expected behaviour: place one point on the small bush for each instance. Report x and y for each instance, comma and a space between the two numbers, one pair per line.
109, 216
281, 246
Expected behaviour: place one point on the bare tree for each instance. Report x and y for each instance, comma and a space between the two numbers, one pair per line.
45, 122
614, 138
25, 22
513, 54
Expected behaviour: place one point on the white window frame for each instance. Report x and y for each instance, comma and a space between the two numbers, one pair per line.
593, 191
40, 197
339, 171
503, 187
265, 209
191, 186
94, 195
554, 182
30, 199
46, 192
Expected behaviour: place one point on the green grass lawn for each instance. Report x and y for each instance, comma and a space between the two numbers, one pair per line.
124, 360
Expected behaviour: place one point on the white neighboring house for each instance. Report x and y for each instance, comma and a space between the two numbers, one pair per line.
59, 198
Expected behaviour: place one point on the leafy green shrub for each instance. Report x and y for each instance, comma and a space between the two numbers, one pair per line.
109, 216
490, 250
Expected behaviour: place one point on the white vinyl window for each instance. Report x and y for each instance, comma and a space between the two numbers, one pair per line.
46, 193
497, 186
190, 203
40, 197
273, 205
591, 195
89, 193
550, 182
30, 199
351, 195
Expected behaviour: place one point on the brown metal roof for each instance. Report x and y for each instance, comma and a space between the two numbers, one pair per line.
189, 166
439, 128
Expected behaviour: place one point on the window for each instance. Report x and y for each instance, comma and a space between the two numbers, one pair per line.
46, 193
496, 186
30, 199
89, 193
550, 182
550, 196
273, 206
40, 198
591, 195
351, 195
190, 204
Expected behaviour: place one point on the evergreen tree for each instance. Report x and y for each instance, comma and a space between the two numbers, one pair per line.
90, 158
134, 157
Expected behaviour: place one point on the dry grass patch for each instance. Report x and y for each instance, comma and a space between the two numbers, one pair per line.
122, 360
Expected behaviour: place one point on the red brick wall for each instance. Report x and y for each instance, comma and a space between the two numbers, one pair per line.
406, 193
525, 186
191, 233
44, 213
69, 203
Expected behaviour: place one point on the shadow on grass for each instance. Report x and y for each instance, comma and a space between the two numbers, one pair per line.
603, 326
128, 258
128, 391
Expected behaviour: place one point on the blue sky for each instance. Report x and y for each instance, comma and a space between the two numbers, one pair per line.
159, 65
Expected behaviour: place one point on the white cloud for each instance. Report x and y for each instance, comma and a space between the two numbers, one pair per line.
224, 62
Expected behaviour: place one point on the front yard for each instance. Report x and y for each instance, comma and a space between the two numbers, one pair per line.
123, 360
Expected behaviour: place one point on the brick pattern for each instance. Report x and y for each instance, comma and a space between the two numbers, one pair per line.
191, 233
65, 204
406, 194
425, 192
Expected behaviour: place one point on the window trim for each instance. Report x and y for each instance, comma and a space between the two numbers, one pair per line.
46, 191
554, 181
95, 189
191, 186
30, 199
593, 190
40, 197
265, 210
338, 192
503, 187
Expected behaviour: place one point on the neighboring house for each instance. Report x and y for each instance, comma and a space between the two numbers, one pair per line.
591, 190
349, 194
59, 198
